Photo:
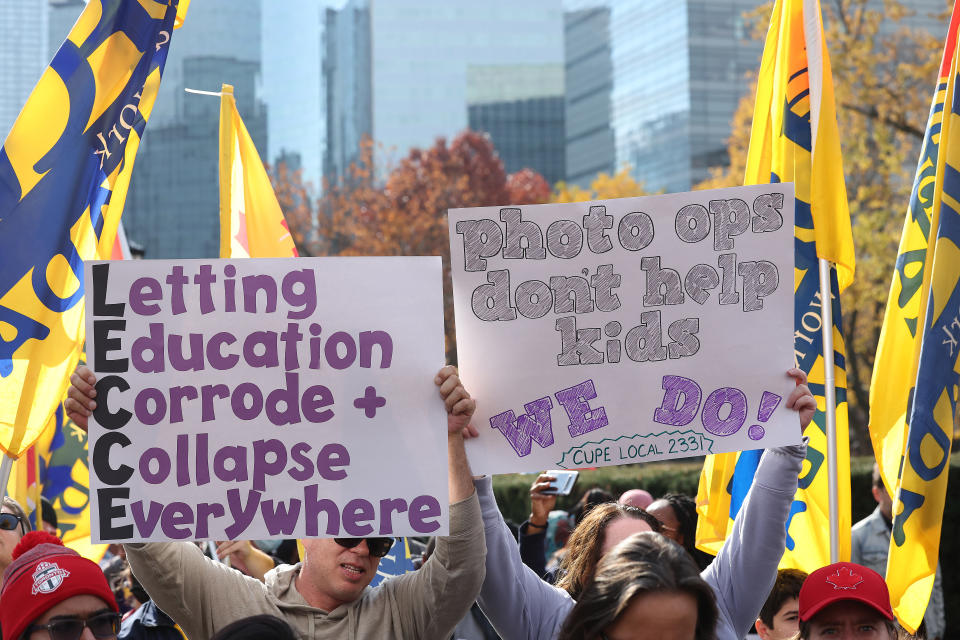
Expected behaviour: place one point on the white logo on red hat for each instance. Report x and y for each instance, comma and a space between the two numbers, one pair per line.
841, 581
48, 577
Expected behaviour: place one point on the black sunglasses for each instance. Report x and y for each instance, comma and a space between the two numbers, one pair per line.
9, 522
101, 625
378, 547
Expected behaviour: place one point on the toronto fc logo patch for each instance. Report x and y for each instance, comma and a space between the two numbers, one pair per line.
48, 577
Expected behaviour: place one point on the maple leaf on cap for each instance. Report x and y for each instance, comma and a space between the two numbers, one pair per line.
845, 578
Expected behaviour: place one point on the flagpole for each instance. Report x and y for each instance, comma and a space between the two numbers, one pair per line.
6, 464
830, 395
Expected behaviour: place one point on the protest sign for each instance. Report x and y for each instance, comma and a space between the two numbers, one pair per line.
630, 330
266, 398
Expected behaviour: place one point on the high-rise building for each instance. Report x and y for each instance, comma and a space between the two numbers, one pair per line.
653, 84
521, 108
172, 207
23, 55
61, 16
292, 87
398, 70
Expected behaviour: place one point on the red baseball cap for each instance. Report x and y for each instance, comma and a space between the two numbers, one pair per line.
844, 581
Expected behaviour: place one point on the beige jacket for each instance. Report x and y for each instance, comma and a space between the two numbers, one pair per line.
203, 596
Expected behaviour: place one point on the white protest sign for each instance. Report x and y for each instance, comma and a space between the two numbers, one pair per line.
266, 398
603, 333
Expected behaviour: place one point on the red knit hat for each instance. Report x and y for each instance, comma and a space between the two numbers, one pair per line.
843, 581
43, 574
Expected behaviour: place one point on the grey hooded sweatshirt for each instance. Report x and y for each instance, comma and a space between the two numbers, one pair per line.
203, 596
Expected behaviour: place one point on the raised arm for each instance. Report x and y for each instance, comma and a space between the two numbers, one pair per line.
744, 571
519, 605
440, 594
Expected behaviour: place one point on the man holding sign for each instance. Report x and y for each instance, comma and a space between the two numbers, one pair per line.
279, 398
326, 596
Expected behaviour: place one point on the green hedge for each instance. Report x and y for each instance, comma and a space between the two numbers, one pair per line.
682, 477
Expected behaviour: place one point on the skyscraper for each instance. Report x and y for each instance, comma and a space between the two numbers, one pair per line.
398, 70
291, 43
520, 107
23, 55
653, 84
172, 207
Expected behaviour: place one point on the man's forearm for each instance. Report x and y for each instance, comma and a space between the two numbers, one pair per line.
460, 478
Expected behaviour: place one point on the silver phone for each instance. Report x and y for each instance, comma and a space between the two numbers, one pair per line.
564, 482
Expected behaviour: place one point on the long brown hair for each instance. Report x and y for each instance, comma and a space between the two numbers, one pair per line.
586, 543
643, 563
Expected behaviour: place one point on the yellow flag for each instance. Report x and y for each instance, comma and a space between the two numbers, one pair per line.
795, 139
916, 376
64, 172
895, 366
251, 221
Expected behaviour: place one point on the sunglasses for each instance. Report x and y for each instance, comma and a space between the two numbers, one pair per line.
378, 547
10, 521
101, 625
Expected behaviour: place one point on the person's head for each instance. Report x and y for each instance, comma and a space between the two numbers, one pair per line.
51, 592
256, 628
337, 570
881, 495
13, 525
646, 587
605, 526
590, 499
636, 498
677, 514
48, 517
845, 600
779, 618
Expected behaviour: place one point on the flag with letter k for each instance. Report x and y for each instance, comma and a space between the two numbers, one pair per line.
64, 172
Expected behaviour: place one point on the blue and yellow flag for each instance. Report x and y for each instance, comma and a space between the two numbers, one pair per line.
916, 376
795, 139
64, 172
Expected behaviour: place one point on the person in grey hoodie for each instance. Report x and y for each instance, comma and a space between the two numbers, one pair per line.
521, 606
327, 596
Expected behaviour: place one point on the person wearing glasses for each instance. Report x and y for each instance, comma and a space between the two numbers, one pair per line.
50, 592
13, 526
327, 595
677, 514
521, 606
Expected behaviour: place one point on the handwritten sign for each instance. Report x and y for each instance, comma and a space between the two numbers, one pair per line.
266, 398
629, 330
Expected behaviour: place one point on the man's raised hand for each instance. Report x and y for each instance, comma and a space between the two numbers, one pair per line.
80, 401
460, 406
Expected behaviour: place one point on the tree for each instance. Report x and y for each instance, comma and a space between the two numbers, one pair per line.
604, 187
884, 74
405, 215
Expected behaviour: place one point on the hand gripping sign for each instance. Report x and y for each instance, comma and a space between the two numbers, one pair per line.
266, 398
603, 333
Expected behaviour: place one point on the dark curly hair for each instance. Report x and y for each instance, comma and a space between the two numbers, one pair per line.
685, 509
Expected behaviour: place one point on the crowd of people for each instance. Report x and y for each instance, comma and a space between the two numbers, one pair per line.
612, 569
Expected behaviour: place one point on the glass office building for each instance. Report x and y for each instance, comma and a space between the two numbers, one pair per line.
521, 108
397, 69
172, 206
653, 84
23, 55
